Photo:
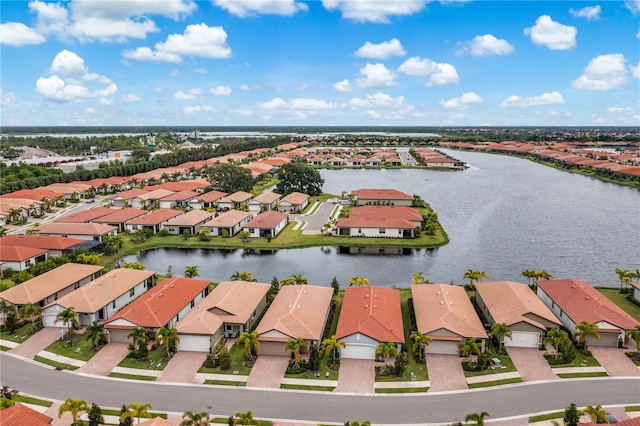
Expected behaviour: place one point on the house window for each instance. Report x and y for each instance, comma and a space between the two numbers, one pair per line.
251, 230
193, 303
27, 263
113, 305
76, 286
132, 292
359, 230
178, 317
254, 314
381, 231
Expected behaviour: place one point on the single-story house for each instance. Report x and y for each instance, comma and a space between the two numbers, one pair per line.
369, 316
295, 202
102, 297
119, 218
153, 221
81, 231
297, 311
162, 306
208, 200
56, 246
375, 227
20, 258
232, 221
197, 185
51, 285
87, 215
21, 415
177, 199
228, 311
189, 222
123, 199
13, 212
234, 201
445, 313
574, 301
148, 198
377, 196
263, 202
267, 224
517, 306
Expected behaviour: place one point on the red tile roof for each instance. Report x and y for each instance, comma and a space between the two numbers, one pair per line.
87, 215
295, 198
267, 220
237, 197
581, 302
374, 222
18, 253
56, 228
387, 212
34, 194
227, 219
156, 307
21, 415
180, 196
47, 242
267, 197
192, 218
183, 185
121, 216
156, 217
372, 311
381, 194
210, 196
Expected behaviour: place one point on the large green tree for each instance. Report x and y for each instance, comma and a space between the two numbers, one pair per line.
332, 345
229, 178
299, 177
75, 407
501, 330
297, 346
250, 341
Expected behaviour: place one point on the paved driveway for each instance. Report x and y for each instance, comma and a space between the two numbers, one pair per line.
445, 373
182, 368
106, 359
319, 218
614, 361
34, 344
356, 376
268, 372
531, 364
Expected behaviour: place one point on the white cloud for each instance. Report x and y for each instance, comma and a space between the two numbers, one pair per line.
457, 116
394, 115
635, 70
462, 102
604, 72
486, 45
638, 35
554, 35
249, 87
52, 18
221, 91
590, 13
633, 6
105, 101
246, 8
382, 50
516, 101
188, 95
377, 100
343, 86
200, 70
375, 76
373, 114
620, 110
131, 97
90, 110
8, 98
441, 74
197, 40
272, 104
376, 11
198, 109
18, 34
297, 115
311, 104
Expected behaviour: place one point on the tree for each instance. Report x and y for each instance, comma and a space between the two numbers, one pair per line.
229, 178
358, 281
139, 339
418, 278
571, 415
135, 411
124, 420
75, 407
191, 271
95, 415
544, 275
557, 338
501, 330
469, 346
88, 259
472, 276
168, 337
245, 419
169, 271
31, 313
134, 265
297, 346
243, 276
96, 334
250, 341
195, 419
333, 345
68, 317
625, 276
335, 285
386, 350
635, 335
584, 330
299, 177
478, 419
6, 403
529, 274
275, 286
597, 414
420, 341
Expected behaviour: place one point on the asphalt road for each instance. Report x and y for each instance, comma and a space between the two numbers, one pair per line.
514, 400
319, 218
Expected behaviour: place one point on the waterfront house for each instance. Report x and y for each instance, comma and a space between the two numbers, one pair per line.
119, 218
372, 226
237, 201
208, 200
267, 224
636, 291
382, 196
56, 246
517, 306
295, 202
87, 215
153, 221
20, 258
231, 222
81, 231
263, 202
369, 316
229, 310
188, 223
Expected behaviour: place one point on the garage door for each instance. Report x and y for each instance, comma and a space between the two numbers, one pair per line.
356, 351
442, 347
272, 348
523, 339
606, 339
194, 343
50, 321
119, 336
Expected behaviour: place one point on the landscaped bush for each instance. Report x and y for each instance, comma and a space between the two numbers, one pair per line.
633, 356
302, 367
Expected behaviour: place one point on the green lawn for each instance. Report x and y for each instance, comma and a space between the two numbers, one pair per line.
310, 388
237, 363
581, 375
117, 413
18, 336
632, 408
402, 390
132, 377
81, 349
548, 416
580, 361
621, 301
30, 400
58, 365
339, 298
155, 361
224, 383
504, 360
324, 369
495, 383
4, 348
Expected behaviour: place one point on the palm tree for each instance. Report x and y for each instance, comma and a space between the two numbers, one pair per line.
298, 279
139, 339
191, 271
3, 231
625, 276
75, 407
584, 330
420, 341
418, 278
168, 337
597, 414
483, 275
333, 345
358, 281
635, 335
68, 317
544, 275
96, 334
250, 341
469, 346
472, 276
195, 419
245, 419
135, 411
501, 330
557, 338
529, 274
243, 276
297, 346
478, 419
386, 350
88, 259
31, 313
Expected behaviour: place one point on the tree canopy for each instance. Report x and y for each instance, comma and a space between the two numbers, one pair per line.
229, 178
299, 177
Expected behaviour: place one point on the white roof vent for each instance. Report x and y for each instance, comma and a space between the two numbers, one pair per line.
438, 292
366, 306
290, 306
366, 295
375, 306
441, 302
375, 296
298, 306
160, 295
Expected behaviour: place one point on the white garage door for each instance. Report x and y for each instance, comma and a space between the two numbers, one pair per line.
523, 339
194, 343
50, 321
119, 336
353, 350
442, 347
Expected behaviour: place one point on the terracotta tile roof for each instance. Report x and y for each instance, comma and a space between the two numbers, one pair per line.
191, 218
18, 253
21, 415
510, 303
67, 188
211, 196
39, 288
156, 194
267, 220
34, 194
444, 306
158, 305
267, 197
74, 229
180, 196
372, 311
127, 195
87, 215
298, 311
156, 217
374, 222
230, 302
381, 194
581, 302
388, 212
95, 295
121, 216
237, 197
227, 219
47, 242
277, 161
183, 185
295, 198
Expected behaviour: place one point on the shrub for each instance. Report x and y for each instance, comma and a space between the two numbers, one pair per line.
204, 237
163, 233
225, 233
224, 359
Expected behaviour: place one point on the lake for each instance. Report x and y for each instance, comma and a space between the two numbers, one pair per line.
502, 215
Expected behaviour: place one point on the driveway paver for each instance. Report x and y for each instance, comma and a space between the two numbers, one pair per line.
445, 373
531, 364
268, 372
356, 376
182, 368
34, 344
318, 219
106, 359
614, 361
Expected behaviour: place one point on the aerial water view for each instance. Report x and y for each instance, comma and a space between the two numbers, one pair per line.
328, 212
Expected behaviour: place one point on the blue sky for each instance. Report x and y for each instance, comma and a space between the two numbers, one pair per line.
329, 62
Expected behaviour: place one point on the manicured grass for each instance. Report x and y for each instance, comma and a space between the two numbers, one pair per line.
117, 413
310, 388
237, 363
264, 184
59, 365
132, 377
18, 336
402, 390
81, 348
621, 301
224, 420
224, 383
549, 416
30, 400
334, 322
580, 361
495, 383
155, 361
632, 408
324, 369
579, 375
4, 348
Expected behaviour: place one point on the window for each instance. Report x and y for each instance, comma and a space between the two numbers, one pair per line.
113, 304
76, 286
254, 314
359, 230
27, 263
251, 230
193, 303
178, 317
132, 292
381, 231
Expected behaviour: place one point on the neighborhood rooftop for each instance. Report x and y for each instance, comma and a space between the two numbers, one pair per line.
267, 220
75, 228
47, 242
381, 194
